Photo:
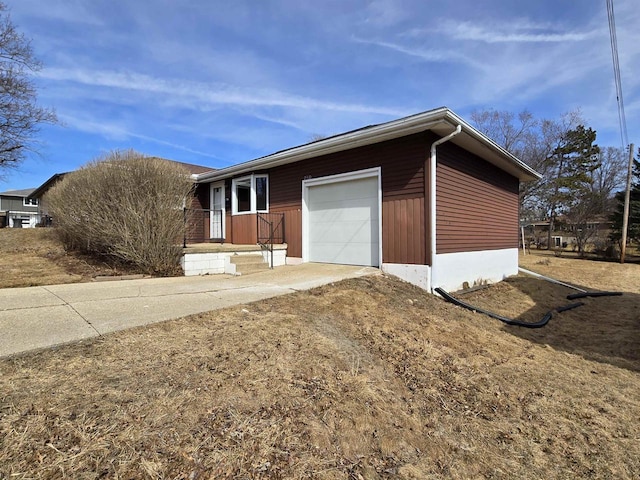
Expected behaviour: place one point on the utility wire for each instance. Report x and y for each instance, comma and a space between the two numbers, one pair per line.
616, 75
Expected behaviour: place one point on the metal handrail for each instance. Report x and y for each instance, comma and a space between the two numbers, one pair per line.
266, 240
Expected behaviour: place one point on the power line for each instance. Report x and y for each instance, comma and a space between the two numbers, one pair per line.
616, 74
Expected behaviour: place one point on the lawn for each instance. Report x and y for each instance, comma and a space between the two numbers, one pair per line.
35, 256
366, 378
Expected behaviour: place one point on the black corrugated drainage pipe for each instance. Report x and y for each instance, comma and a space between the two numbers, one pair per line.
541, 323
573, 296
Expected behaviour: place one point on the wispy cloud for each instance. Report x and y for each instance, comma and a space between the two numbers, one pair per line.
426, 54
514, 32
207, 95
119, 132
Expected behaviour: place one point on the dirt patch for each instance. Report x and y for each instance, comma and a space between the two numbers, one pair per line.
366, 378
35, 256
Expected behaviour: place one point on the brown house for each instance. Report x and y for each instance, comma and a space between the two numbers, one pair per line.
427, 198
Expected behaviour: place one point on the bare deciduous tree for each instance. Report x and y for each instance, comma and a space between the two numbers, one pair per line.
532, 140
20, 116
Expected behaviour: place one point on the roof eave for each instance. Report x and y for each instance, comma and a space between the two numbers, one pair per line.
491, 151
359, 138
445, 119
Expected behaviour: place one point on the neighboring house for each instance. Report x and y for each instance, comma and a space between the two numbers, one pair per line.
595, 231
18, 209
405, 196
39, 192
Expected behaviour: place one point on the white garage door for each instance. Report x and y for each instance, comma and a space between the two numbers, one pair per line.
343, 222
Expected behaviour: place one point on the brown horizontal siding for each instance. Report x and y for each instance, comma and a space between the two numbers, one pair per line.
403, 231
476, 203
402, 166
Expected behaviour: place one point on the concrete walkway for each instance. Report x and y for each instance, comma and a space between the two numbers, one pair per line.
39, 317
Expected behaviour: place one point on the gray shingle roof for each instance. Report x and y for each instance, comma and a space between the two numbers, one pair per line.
25, 192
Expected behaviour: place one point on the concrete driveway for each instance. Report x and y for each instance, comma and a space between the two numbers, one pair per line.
39, 317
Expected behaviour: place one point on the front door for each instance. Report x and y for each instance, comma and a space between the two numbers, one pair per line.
217, 211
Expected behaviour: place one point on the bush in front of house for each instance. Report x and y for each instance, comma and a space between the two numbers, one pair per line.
126, 206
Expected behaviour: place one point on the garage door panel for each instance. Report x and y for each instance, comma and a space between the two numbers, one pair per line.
357, 189
343, 232
347, 254
345, 214
343, 222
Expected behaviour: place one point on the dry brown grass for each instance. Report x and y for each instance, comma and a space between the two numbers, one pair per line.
35, 256
367, 378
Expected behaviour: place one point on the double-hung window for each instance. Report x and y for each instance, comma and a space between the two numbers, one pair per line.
250, 194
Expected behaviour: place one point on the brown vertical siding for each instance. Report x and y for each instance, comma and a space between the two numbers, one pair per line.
228, 233
244, 228
403, 230
402, 164
292, 229
476, 203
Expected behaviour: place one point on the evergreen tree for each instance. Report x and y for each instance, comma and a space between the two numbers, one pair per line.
570, 164
633, 231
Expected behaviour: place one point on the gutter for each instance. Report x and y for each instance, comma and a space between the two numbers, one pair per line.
432, 200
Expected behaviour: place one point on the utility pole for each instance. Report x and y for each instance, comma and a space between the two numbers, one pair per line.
627, 199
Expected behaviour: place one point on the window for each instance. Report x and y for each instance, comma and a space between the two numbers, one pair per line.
250, 194
261, 193
29, 202
243, 195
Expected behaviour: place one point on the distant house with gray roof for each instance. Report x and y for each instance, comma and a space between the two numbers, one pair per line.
18, 209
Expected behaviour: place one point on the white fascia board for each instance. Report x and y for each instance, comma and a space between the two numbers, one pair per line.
440, 120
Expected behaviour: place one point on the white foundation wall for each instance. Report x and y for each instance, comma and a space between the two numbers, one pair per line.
210, 263
451, 270
415, 274
279, 257
203, 263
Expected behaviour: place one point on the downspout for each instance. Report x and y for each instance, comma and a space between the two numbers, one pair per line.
432, 202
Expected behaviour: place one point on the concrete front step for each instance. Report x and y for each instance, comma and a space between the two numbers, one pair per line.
248, 264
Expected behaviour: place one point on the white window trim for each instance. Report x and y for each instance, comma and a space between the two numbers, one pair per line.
253, 196
25, 204
341, 177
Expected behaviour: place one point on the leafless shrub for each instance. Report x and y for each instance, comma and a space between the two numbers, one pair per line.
126, 206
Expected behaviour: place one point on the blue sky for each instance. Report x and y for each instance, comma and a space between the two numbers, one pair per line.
220, 82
